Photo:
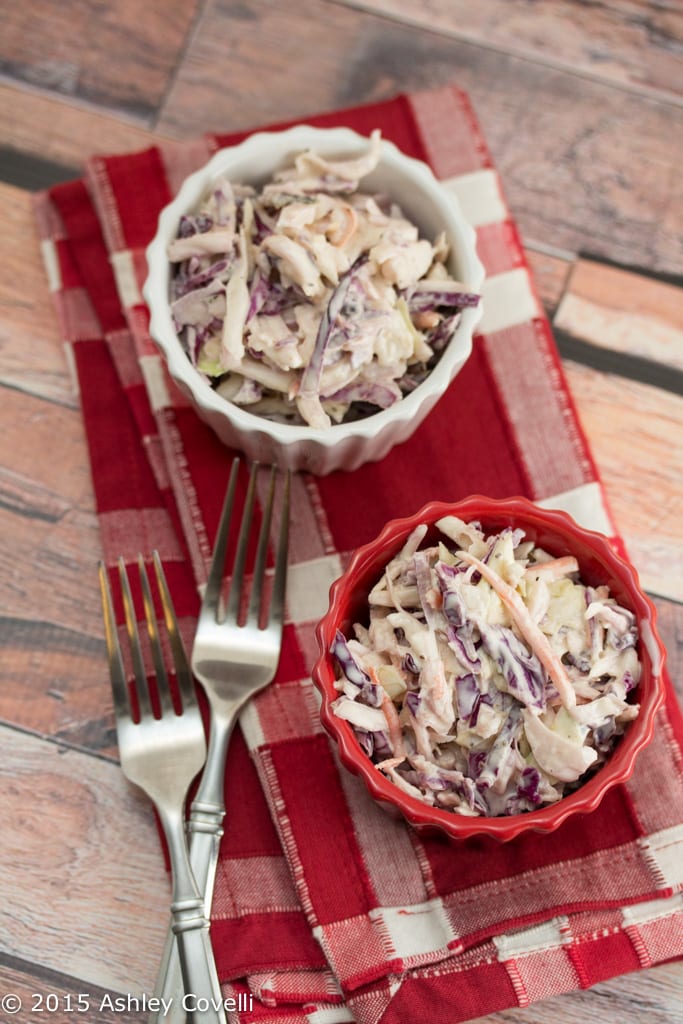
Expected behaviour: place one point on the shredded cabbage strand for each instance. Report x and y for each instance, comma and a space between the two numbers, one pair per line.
310, 301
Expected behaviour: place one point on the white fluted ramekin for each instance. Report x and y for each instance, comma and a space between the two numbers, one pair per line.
423, 200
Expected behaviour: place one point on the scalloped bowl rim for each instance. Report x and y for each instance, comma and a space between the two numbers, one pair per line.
584, 800
155, 287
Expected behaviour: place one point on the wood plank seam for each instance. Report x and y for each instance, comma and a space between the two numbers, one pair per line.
666, 277
32, 173
54, 979
526, 53
620, 364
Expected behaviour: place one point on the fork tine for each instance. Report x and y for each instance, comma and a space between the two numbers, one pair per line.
163, 688
277, 601
117, 671
182, 668
237, 580
261, 552
139, 673
214, 583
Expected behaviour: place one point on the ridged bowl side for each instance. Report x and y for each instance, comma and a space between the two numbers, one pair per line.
559, 534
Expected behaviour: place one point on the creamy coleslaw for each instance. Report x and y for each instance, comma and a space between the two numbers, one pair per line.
490, 679
308, 300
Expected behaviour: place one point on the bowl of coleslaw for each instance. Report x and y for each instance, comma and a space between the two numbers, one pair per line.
313, 292
489, 668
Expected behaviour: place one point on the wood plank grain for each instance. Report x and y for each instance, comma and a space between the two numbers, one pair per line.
585, 166
624, 311
52, 674
634, 43
117, 56
50, 454
550, 155
61, 130
635, 432
67, 998
83, 886
53, 682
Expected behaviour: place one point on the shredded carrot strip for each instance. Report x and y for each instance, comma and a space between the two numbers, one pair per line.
528, 628
555, 568
391, 715
342, 236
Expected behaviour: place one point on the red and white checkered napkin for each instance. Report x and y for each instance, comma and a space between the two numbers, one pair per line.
326, 909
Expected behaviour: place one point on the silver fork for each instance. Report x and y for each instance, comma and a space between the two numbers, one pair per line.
233, 659
162, 751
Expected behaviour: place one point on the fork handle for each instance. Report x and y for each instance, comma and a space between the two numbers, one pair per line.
206, 828
198, 998
202, 1002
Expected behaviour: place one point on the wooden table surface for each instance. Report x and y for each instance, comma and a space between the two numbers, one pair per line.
582, 106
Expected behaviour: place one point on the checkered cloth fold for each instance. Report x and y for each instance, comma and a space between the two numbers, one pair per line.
326, 909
